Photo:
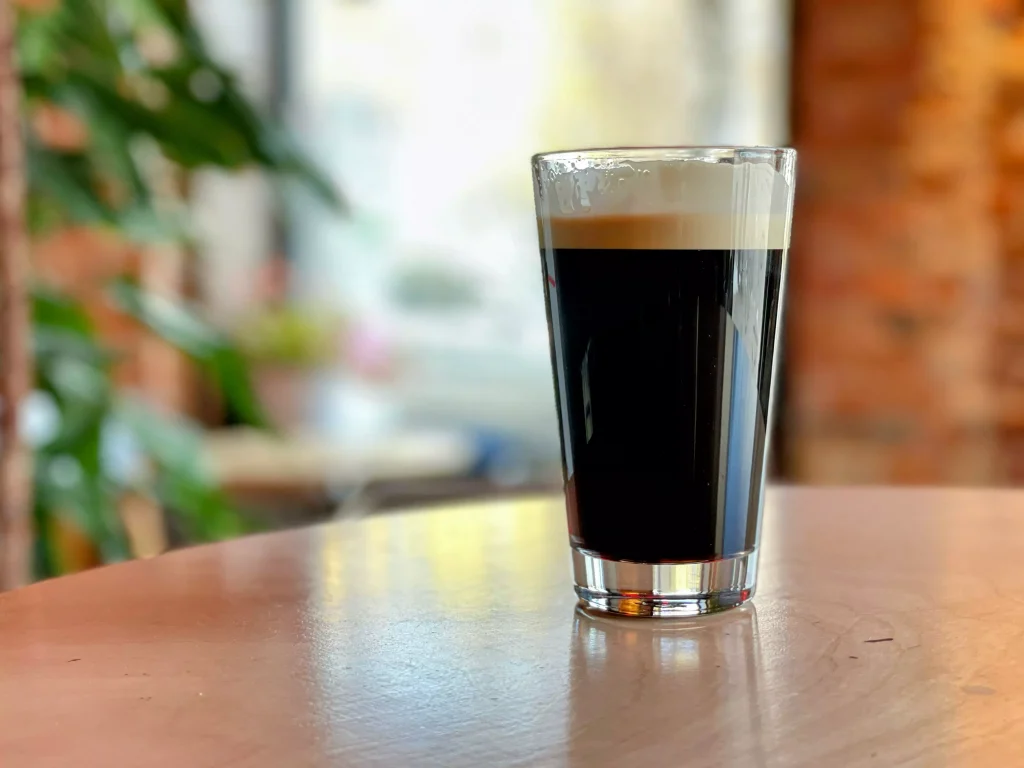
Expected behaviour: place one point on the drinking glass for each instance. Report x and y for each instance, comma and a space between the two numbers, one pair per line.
664, 271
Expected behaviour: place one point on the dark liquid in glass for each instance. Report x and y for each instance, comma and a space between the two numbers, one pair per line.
663, 361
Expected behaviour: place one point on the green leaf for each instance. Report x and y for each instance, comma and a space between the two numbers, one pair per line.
53, 309
168, 319
82, 391
68, 476
39, 41
143, 224
138, 13
66, 179
85, 57
56, 344
206, 345
45, 561
61, 330
173, 442
183, 482
87, 38
279, 151
71, 366
43, 214
67, 484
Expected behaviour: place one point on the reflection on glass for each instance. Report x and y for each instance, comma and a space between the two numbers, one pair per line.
694, 683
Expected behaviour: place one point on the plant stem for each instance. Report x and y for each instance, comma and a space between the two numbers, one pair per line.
15, 361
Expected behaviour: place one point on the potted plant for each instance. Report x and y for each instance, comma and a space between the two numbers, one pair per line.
120, 102
284, 345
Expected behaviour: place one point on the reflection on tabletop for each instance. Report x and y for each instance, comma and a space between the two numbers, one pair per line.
631, 680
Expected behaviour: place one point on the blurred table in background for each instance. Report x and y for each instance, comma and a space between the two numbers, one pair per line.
885, 632
258, 460
311, 470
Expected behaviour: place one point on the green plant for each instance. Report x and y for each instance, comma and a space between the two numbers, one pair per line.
287, 336
136, 99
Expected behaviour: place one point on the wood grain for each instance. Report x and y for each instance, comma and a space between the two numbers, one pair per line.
886, 632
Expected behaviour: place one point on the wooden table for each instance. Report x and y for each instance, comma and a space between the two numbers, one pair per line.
889, 630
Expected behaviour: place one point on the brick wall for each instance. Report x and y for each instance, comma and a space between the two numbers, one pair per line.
1008, 145
896, 255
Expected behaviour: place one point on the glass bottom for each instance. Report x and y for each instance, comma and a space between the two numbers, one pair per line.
663, 589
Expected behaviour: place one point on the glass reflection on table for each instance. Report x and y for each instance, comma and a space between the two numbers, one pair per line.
632, 681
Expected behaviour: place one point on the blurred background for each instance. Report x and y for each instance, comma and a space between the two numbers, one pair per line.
284, 257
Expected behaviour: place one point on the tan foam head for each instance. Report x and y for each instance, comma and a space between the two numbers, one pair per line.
678, 204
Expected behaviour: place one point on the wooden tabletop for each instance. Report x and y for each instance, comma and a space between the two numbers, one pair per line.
888, 630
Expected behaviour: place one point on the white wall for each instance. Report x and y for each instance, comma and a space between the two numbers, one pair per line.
231, 212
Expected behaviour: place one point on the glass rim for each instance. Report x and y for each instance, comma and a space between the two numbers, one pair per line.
680, 152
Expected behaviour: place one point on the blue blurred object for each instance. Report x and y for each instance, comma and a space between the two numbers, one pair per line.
500, 458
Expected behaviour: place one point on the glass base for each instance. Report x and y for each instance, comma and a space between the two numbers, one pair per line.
663, 589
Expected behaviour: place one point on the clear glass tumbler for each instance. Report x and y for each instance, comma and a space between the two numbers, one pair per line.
664, 271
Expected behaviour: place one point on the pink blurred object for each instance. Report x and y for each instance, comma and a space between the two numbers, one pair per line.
369, 353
